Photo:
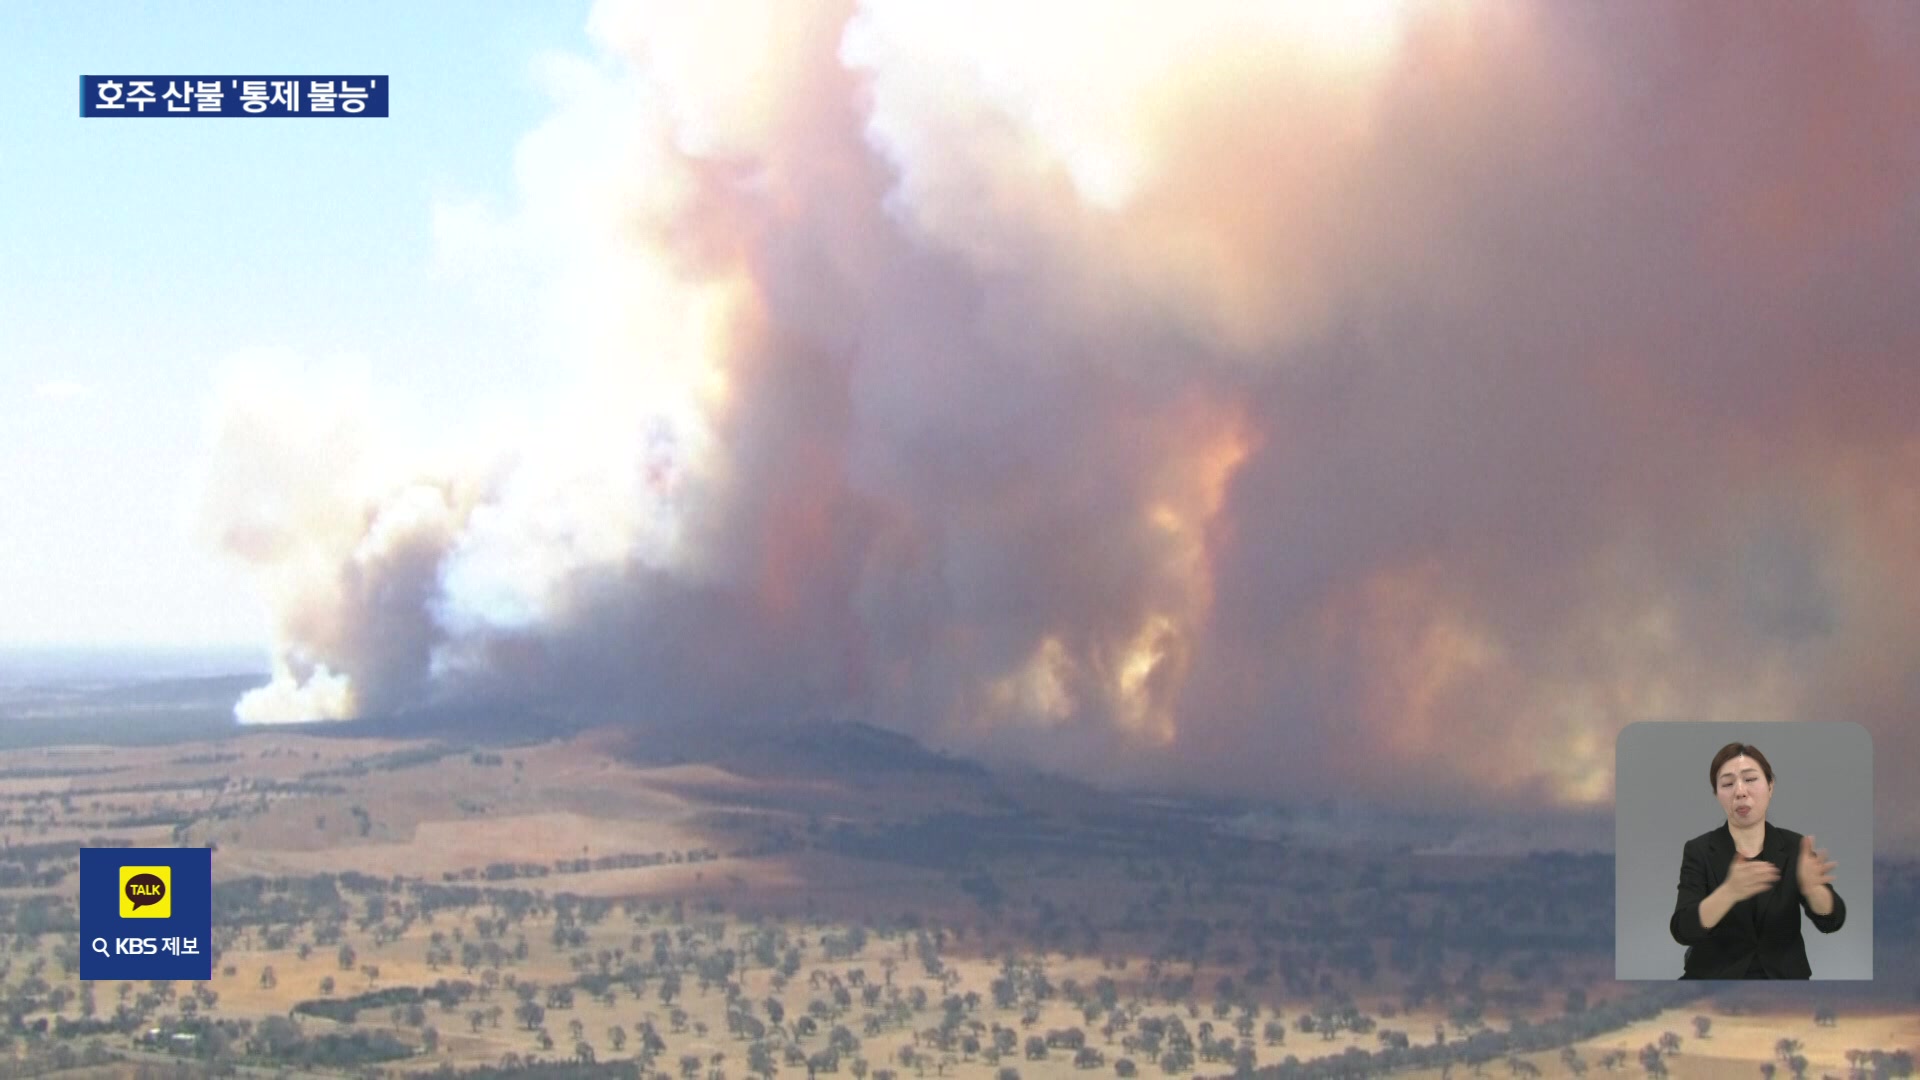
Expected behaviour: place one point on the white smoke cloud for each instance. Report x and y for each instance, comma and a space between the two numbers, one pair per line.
1289, 397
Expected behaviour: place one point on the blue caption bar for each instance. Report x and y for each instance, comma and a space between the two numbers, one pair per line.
233, 95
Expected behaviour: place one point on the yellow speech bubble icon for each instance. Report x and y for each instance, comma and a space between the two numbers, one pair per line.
146, 892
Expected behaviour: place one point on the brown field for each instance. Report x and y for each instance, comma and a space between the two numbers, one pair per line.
1194, 931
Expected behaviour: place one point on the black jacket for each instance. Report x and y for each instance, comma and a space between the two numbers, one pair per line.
1767, 925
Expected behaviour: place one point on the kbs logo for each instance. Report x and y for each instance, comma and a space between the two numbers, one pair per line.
146, 892
168, 890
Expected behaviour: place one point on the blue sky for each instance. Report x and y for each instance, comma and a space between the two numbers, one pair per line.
137, 260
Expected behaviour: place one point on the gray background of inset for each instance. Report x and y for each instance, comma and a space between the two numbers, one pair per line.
1823, 787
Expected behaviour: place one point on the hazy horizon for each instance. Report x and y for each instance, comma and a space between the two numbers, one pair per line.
132, 660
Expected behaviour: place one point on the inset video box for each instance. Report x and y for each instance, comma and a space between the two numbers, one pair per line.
233, 95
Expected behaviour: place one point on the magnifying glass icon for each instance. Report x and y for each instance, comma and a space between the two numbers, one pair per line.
100, 946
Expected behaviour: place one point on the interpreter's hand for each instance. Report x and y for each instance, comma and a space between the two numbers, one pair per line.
1749, 877
1814, 869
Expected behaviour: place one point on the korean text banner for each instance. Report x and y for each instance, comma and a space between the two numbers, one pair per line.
146, 913
233, 95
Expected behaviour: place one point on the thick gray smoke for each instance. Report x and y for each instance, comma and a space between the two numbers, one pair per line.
1388, 399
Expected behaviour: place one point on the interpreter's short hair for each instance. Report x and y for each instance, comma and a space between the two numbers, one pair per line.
1728, 753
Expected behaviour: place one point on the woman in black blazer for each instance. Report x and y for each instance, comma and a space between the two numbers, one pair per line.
1743, 885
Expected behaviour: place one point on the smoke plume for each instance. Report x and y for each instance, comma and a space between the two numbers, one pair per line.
1379, 398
